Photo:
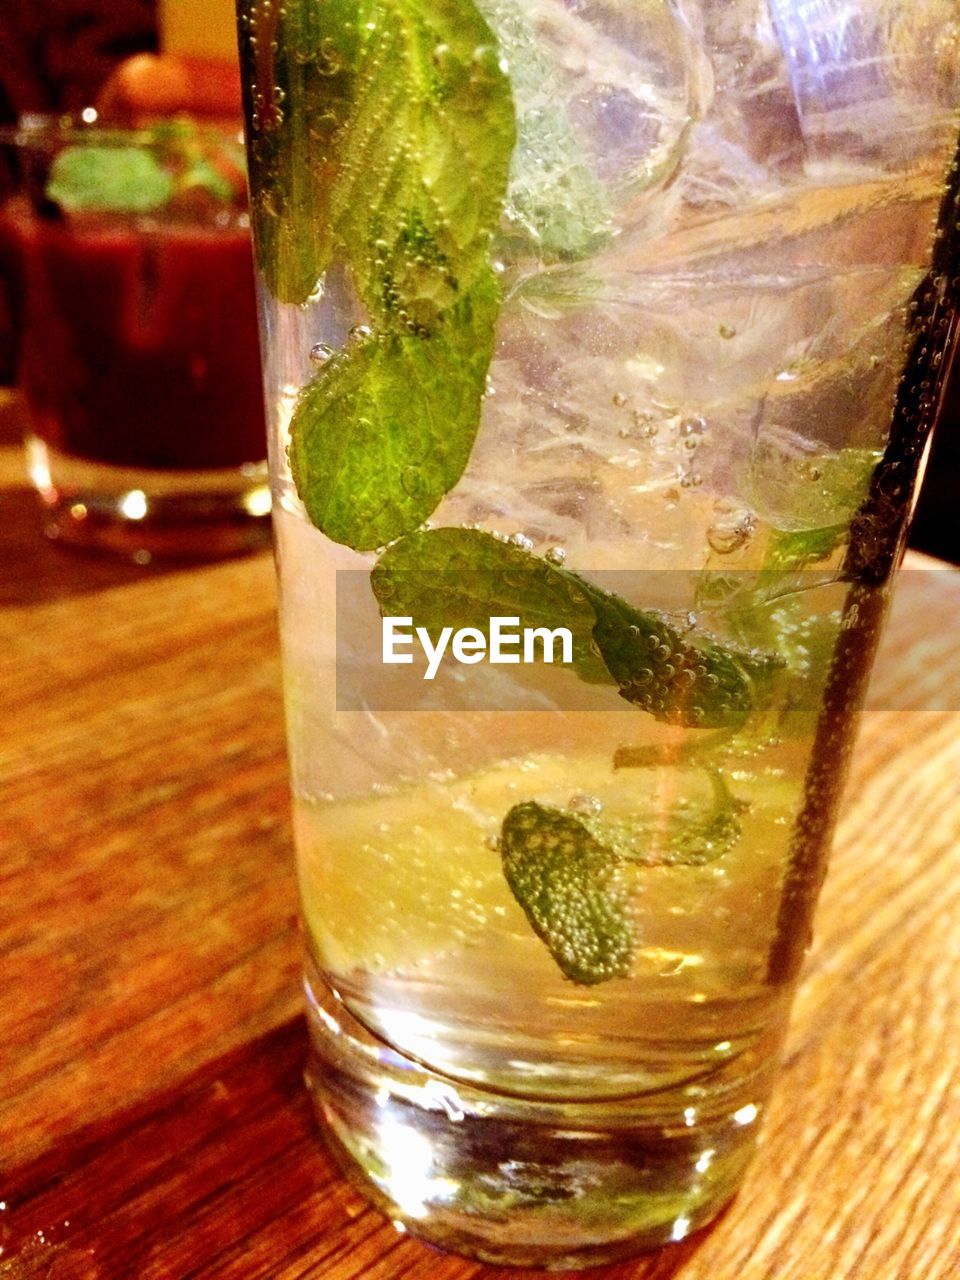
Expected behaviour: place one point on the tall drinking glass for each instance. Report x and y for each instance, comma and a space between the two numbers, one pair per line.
602, 344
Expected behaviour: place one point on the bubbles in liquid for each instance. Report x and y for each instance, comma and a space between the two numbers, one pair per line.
731, 533
360, 333
320, 353
556, 555
691, 428
522, 541
589, 806
330, 62
444, 60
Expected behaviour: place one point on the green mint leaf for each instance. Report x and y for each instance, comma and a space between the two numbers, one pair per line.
790, 549
565, 869
564, 880
556, 206
815, 498
463, 577
809, 493
391, 152
678, 679
423, 158
202, 174
693, 834
108, 179
299, 64
825, 497
382, 129
385, 428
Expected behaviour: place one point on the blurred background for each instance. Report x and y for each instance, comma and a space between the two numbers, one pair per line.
98, 61
66, 55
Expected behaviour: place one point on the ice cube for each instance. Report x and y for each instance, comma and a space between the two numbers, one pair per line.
879, 80
604, 95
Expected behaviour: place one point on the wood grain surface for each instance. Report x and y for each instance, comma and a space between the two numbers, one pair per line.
152, 1120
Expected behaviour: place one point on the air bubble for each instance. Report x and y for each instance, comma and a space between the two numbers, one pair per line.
522, 541
360, 333
692, 426
556, 555
321, 354
728, 536
589, 806
331, 62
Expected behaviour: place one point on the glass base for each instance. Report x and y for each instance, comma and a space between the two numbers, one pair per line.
521, 1181
143, 514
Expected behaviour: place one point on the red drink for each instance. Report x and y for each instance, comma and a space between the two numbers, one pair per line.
137, 329
139, 345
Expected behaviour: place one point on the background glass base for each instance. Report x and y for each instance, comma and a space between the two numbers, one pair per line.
520, 1181
146, 514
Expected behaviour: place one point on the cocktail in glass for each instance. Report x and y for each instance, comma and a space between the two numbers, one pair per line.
602, 344
129, 251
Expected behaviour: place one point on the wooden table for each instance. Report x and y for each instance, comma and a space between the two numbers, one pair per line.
152, 1120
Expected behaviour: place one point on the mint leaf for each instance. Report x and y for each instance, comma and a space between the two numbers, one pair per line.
382, 129
299, 64
202, 174
424, 156
810, 493
690, 834
463, 577
790, 549
385, 429
392, 152
676, 678
564, 880
108, 179
830, 492
564, 869
815, 497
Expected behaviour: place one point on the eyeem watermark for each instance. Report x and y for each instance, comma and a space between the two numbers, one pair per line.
506, 644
